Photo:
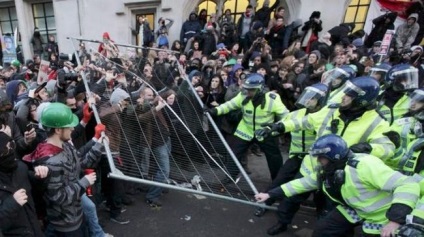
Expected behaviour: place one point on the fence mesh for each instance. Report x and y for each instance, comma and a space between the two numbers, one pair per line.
143, 135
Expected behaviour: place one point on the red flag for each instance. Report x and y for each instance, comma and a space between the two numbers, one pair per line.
398, 6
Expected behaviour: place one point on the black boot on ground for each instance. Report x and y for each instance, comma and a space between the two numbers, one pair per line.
277, 228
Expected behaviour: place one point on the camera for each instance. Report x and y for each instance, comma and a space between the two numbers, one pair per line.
71, 76
64, 57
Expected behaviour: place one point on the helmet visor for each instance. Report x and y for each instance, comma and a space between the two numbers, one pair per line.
310, 98
319, 152
249, 92
405, 80
416, 103
334, 77
377, 73
251, 86
353, 91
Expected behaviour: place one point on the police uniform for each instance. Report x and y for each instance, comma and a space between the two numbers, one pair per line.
269, 109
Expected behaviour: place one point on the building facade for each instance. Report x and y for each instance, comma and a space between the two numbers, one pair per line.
90, 18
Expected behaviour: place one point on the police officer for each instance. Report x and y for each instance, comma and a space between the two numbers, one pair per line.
414, 226
407, 129
379, 72
355, 119
312, 99
412, 163
362, 184
258, 107
394, 101
336, 79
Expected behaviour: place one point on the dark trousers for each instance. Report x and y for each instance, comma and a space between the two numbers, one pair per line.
333, 225
244, 45
269, 146
113, 189
286, 173
289, 206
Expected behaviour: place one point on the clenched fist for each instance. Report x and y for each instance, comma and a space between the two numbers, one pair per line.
20, 197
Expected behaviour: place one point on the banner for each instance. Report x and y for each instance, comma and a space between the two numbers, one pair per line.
9, 49
385, 45
43, 73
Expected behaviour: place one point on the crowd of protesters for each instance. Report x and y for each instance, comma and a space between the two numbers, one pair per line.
49, 136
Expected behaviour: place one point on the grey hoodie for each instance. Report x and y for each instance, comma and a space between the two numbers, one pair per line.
405, 34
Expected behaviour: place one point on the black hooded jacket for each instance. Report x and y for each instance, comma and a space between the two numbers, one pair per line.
380, 28
190, 28
339, 34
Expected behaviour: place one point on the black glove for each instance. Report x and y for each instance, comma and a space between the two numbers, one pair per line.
211, 111
263, 133
269, 128
418, 147
276, 127
362, 147
394, 137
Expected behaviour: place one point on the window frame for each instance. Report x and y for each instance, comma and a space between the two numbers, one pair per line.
357, 6
9, 20
47, 31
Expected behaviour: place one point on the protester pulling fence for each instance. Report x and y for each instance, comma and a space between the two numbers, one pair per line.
158, 133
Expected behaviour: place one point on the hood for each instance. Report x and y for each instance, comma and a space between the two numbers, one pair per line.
12, 90
193, 13
317, 53
5, 104
315, 14
210, 64
325, 38
392, 16
414, 15
43, 151
237, 67
349, 26
106, 35
254, 55
194, 73
118, 95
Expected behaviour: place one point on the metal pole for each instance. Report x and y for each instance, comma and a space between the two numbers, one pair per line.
95, 112
124, 45
163, 185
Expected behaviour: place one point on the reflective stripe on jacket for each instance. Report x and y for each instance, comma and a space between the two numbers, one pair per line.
367, 128
253, 118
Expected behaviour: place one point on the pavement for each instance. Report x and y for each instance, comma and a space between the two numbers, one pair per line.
183, 214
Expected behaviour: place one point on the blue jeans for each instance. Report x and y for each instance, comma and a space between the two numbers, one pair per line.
89, 209
161, 153
145, 161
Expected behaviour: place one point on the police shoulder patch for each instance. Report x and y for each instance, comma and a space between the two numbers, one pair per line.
353, 163
272, 95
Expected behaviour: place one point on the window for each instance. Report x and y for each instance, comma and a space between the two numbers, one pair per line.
357, 13
8, 20
209, 5
44, 19
237, 7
